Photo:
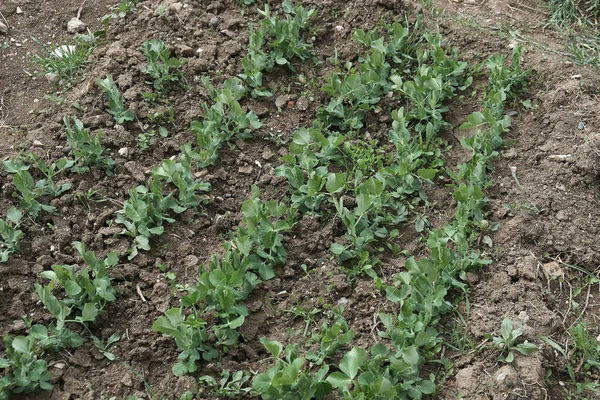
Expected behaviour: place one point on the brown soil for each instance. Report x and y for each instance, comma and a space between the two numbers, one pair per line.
564, 226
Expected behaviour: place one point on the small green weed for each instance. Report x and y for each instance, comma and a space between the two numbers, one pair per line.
66, 61
230, 385
103, 348
507, 342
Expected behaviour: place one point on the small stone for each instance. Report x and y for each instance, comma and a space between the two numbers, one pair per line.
19, 11
3, 28
214, 22
339, 28
342, 300
561, 216
240, 144
175, 7
267, 154
126, 380
51, 77
191, 261
580, 125
37, 143
184, 50
302, 103
523, 317
75, 25
512, 113
123, 151
281, 100
510, 153
247, 170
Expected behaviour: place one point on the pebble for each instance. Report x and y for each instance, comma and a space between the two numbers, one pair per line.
580, 125
281, 100
19, 11
247, 170
302, 103
37, 143
510, 154
512, 113
124, 151
75, 25
51, 77
267, 154
214, 22
561, 215
339, 28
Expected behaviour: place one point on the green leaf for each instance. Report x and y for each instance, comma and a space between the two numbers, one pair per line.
339, 380
22, 344
14, 215
427, 174
525, 348
335, 183
510, 357
72, 288
263, 382
506, 329
410, 355
236, 323
273, 347
352, 361
337, 249
89, 312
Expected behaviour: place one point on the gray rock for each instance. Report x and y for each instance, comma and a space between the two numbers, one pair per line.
247, 170
302, 103
75, 25
267, 154
3, 28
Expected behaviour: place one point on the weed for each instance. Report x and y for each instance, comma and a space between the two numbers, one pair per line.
115, 100
103, 348
65, 62
526, 207
229, 386
507, 342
